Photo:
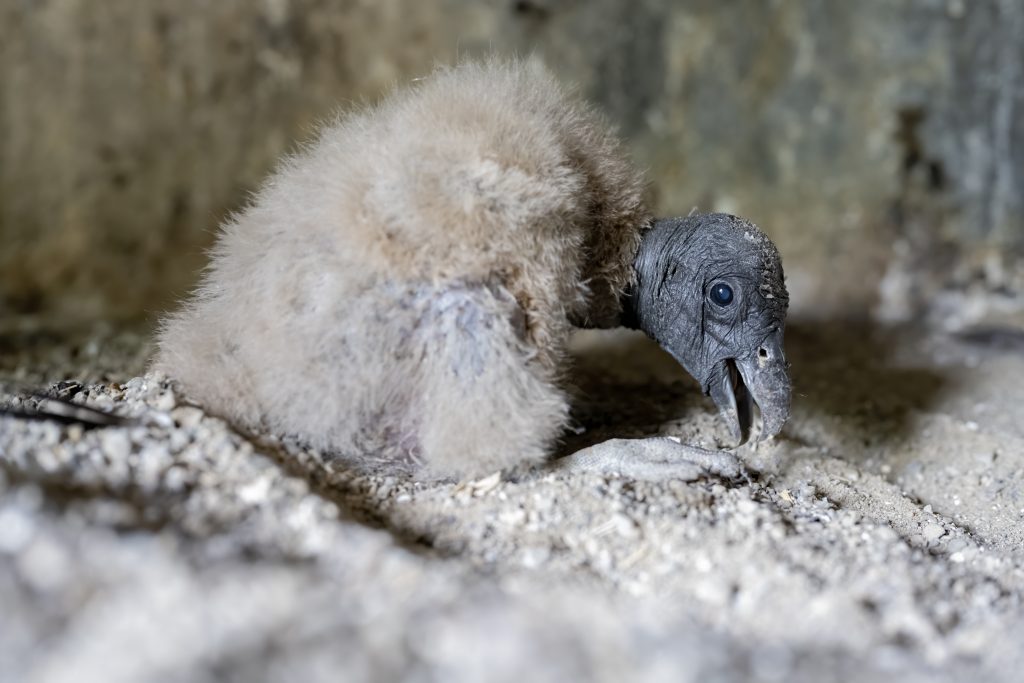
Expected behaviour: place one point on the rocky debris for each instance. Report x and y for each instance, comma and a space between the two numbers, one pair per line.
176, 548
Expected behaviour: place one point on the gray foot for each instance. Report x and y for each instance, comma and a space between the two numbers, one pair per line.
653, 459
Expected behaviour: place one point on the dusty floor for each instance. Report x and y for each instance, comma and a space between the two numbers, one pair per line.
881, 538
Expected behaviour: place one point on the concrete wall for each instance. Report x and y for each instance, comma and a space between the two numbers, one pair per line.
877, 141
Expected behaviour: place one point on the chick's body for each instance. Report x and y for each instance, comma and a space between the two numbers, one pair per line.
403, 289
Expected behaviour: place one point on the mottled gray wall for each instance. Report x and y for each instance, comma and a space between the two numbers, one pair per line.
869, 138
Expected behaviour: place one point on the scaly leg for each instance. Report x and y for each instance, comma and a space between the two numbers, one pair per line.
652, 459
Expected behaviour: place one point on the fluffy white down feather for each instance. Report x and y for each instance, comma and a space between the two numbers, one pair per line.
402, 289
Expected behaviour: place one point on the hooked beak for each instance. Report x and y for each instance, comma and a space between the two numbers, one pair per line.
761, 378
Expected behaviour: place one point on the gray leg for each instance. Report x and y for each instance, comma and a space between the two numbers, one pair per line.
652, 459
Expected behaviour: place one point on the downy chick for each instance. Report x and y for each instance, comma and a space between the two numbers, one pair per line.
403, 289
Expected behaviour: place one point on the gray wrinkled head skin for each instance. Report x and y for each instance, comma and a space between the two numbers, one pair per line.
734, 348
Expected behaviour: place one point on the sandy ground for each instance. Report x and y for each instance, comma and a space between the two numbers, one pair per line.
880, 538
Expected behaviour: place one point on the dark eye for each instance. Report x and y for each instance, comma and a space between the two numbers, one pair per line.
721, 294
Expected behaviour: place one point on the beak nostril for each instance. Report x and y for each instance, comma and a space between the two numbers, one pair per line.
762, 352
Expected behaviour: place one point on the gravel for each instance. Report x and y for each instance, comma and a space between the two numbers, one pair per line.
880, 539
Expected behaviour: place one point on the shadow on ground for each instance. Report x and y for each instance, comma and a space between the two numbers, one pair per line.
624, 386
850, 387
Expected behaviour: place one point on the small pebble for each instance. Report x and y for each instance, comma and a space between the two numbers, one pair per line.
115, 444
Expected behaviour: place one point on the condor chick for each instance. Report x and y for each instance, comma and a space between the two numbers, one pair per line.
403, 289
